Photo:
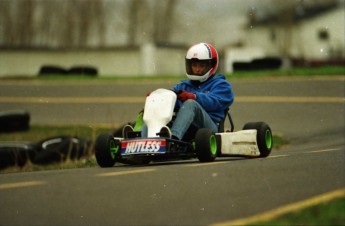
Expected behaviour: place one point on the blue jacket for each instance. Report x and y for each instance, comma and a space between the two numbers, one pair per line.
214, 95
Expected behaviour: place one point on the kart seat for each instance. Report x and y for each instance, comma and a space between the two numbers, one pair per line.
222, 122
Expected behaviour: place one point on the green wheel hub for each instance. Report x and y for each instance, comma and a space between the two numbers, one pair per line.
113, 148
268, 139
213, 145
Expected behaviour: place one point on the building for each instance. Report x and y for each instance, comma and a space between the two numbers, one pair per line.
146, 60
312, 35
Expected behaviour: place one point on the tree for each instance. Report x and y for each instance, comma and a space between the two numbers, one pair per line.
150, 21
54, 23
82, 23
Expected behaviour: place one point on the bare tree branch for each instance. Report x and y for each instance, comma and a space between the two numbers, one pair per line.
82, 23
134, 6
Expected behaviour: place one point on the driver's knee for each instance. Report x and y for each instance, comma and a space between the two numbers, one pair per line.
144, 131
191, 104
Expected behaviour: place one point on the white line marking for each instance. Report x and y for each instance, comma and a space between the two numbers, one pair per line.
277, 156
325, 150
21, 184
203, 164
272, 214
111, 174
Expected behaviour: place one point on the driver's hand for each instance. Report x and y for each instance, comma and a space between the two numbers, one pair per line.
184, 95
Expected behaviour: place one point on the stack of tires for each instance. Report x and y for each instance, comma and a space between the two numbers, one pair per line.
267, 63
16, 153
46, 151
61, 148
75, 70
17, 120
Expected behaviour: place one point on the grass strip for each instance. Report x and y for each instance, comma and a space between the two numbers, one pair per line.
299, 71
40, 132
329, 213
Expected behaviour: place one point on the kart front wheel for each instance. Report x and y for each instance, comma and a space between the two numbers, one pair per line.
206, 145
263, 137
106, 149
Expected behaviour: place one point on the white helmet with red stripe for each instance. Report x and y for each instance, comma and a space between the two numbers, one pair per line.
203, 53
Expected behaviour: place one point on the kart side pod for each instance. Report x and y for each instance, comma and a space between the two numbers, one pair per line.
240, 143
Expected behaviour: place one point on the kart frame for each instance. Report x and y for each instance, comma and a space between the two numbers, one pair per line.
254, 140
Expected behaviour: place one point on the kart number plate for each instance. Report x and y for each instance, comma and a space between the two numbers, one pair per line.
149, 146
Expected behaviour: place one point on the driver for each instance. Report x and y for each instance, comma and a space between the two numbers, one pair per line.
202, 99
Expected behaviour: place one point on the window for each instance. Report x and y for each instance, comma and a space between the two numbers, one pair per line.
323, 34
273, 35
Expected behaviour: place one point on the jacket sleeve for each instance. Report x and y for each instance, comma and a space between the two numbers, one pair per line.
176, 88
219, 97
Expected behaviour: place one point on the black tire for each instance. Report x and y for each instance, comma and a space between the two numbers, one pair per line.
60, 148
205, 145
52, 150
11, 121
118, 131
264, 137
83, 70
16, 153
267, 63
83, 147
52, 70
106, 149
48, 157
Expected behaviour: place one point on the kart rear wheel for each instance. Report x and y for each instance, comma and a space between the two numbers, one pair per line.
106, 149
206, 145
263, 137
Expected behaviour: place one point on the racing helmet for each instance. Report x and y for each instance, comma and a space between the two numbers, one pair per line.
202, 53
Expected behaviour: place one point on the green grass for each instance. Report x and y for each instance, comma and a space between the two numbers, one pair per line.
329, 213
302, 71
279, 141
86, 162
40, 132
305, 71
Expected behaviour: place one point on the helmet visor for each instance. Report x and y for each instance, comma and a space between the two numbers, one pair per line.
198, 67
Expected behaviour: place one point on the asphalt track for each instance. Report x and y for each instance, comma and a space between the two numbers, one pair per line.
308, 112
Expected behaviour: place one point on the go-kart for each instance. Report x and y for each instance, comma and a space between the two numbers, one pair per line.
254, 140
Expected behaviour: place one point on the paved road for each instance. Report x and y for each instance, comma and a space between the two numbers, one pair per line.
309, 112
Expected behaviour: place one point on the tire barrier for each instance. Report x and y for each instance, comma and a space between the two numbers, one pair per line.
48, 151
52, 70
118, 131
75, 70
60, 148
16, 153
12, 121
83, 70
268, 63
